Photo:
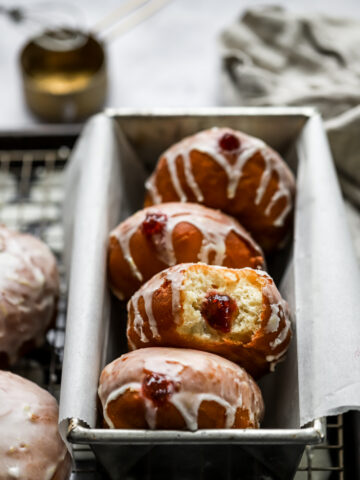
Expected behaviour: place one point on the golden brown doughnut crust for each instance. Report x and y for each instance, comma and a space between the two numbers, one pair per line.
251, 182
161, 314
167, 388
154, 238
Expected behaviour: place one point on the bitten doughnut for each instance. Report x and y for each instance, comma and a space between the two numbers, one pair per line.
238, 314
29, 289
171, 233
170, 388
229, 170
30, 445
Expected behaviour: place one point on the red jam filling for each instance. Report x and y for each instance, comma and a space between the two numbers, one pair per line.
218, 310
157, 387
229, 142
153, 224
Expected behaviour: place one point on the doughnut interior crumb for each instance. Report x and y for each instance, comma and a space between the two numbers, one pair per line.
248, 297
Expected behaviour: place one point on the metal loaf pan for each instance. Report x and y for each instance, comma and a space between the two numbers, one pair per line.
272, 452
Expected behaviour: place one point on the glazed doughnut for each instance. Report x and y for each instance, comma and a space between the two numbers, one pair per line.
29, 289
236, 313
30, 445
231, 171
171, 233
171, 388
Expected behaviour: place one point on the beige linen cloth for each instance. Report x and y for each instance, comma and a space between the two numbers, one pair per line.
272, 56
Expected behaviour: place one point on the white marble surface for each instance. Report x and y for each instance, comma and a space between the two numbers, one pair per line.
170, 60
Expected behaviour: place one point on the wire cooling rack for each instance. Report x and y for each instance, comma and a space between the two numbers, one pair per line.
31, 193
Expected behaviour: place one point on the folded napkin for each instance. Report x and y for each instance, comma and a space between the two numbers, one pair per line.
272, 56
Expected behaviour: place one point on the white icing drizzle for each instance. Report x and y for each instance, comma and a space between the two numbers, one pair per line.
14, 472
150, 413
30, 444
138, 322
265, 178
207, 142
279, 359
171, 164
131, 344
149, 312
50, 472
233, 172
275, 359
188, 405
165, 367
132, 386
282, 189
281, 336
28, 289
124, 241
271, 358
274, 324
274, 320
279, 221
278, 312
271, 292
213, 225
199, 376
213, 233
174, 276
190, 179
151, 188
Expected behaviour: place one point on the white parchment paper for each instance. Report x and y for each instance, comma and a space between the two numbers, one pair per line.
321, 375
327, 285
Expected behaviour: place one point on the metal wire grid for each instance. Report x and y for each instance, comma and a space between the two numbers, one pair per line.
30, 198
325, 462
31, 193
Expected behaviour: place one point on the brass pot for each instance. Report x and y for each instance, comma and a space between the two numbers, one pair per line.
64, 75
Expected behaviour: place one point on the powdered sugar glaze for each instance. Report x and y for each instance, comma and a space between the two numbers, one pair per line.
207, 142
213, 225
201, 377
30, 445
29, 286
